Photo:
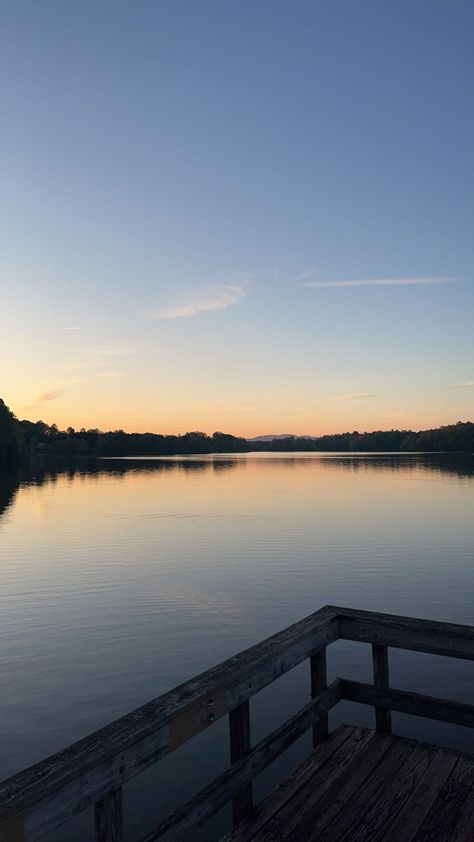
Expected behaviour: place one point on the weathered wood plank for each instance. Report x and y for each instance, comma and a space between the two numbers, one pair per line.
463, 830
108, 818
47, 794
451, 639
418, 805
239, 727
391, 798
319, 683
360, 799
429, 707
340, 793
444, 814
286, 822
216, 794
383, 719
280, 796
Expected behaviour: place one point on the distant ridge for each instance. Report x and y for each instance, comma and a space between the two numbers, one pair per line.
280, 436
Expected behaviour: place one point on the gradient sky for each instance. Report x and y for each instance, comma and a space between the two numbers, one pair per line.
247, 216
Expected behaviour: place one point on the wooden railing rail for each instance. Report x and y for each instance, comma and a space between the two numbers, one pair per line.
450, 639
94, 770
442, 710
234, 779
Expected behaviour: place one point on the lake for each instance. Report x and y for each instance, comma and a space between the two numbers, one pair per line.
122, 578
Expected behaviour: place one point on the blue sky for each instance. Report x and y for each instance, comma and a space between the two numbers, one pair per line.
189, 186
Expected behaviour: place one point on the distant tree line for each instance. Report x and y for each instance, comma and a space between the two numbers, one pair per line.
455, 438
19, 439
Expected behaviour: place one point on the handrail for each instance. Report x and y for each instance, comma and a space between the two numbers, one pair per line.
94, 769
429, 636
101, 763
218, 793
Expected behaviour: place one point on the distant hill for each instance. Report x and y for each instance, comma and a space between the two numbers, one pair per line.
282, 436
272, 438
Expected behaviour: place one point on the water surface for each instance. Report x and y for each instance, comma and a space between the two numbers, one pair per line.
120, 579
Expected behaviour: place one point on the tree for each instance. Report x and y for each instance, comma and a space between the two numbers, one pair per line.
11, 437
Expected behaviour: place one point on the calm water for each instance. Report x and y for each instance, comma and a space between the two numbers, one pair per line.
122, 579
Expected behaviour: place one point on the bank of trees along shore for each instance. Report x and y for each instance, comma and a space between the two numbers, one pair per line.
11, 436
22, 439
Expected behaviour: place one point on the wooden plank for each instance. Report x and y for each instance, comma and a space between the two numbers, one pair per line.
216, 794
463, 830
443, 816
390, 798
428, 707
359, 800
318, 684
239, 727
285, 823
383, 718
451, 639
418, 805
47, 794
108, 818
279, 796
316, 820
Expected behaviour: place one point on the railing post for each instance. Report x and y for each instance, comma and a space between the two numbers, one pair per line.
239, 725
108, 818
383, 716
319, 683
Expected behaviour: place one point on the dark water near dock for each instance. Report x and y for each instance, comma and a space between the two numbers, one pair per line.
122, 578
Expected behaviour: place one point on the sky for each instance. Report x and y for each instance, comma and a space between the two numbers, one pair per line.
253, 217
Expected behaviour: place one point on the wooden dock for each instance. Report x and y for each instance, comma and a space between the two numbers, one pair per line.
357, 784
361, 786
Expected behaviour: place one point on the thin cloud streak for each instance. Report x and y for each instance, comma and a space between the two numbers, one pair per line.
97, 357
380, 282
304, 276
74, 381
73, 327
51, 395
355, 397
467, 384
218, 297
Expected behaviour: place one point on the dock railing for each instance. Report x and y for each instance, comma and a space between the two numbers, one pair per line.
93, 770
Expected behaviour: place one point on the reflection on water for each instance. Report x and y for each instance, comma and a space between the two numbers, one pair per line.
121, 578
41, 471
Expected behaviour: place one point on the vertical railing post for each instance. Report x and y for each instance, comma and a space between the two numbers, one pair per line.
383, 716
108, 818
239, 725
319, 682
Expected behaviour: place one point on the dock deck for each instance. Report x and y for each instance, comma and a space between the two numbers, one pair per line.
356, 785
367, 787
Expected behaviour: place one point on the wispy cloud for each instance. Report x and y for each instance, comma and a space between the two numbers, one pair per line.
55, 382
51, 395
99, 357
357, 396
73, 327
305, 275
466, 384
218, 297
379, 282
